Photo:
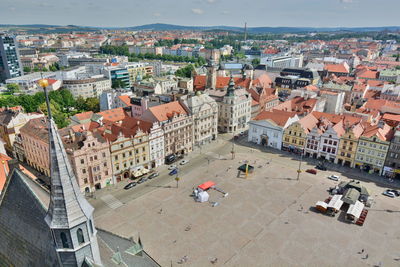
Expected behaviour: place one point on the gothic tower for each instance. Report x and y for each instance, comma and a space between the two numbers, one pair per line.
70, 216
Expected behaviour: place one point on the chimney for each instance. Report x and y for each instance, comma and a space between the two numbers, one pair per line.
71, 134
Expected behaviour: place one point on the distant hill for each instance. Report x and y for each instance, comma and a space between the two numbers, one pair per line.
169, 27
163, 27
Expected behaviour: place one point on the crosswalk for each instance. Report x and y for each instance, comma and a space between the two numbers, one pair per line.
111, 201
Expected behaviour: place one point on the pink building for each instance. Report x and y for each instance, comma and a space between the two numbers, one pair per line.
35, 140
90, 157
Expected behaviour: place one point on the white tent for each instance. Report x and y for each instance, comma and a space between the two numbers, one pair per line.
203, 196
144, 171
336, 202
355, 209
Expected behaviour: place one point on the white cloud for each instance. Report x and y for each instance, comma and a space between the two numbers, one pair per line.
211, 1
225, 12
156, 14
346, 1
197, 11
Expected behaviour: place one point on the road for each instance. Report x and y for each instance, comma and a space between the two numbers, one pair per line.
101, 199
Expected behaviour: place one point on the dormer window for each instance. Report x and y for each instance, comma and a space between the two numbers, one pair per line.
79, 235
64, 240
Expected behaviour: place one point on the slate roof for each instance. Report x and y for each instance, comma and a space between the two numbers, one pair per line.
26, 239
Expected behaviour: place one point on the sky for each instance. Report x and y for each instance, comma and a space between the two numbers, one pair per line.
257, 13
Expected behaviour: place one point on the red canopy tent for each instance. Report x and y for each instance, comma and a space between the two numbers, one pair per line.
206, 185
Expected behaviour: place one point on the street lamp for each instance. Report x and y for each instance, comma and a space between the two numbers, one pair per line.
299, 170
44, 83
177, 181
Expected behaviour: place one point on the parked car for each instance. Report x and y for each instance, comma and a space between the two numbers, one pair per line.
173, 172
389, 193
312, 171
395, 192
334, 177
142, 180
153, 175
321, 167
171, 167
170, 159
183, 162
130, 185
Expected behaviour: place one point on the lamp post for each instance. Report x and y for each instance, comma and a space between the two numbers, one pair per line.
299, 170
177, 181
44, 83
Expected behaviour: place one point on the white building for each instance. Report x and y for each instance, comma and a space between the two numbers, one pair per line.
267, 128
204, 112
156, 144
90, 87
29, 82
234, 108
109, 99
334, 101
283, 61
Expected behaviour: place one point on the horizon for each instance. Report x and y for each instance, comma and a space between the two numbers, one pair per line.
185, 25
284, 13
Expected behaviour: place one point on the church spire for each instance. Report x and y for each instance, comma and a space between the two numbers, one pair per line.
70, 216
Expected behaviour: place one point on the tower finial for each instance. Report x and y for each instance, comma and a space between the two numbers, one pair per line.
44, 83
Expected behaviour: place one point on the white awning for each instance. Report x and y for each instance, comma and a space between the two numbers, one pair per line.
322, 204
336, 202
356, 209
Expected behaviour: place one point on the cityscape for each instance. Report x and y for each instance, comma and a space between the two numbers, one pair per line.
262, 142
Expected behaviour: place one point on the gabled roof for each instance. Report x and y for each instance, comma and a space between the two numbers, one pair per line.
279, 117
384, 133
125, 99
114, 115
167, 111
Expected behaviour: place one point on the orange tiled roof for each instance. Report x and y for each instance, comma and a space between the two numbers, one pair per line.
340, 68
279, 117
114, 115
200, 82
3, 170
125, 99
166, 111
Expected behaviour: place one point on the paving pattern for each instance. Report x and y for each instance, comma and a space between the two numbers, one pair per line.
111, 201
267, 219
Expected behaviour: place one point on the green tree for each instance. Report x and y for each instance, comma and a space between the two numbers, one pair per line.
255, 62
118, 84
92, 104
27, 69
80, 103
12, 88
36, 69
59, 117
185, 72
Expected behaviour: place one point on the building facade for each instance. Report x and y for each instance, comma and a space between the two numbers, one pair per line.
268, 127
10, 63
90, 158
204, 112
177, 125
372, 148
91, 87
392, 162
348, 145
35, 141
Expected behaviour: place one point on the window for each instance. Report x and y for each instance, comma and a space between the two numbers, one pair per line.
64, 240
79, 235
95, 157
104, 155
82, 161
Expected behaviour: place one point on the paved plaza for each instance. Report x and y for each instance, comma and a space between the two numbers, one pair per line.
266, 220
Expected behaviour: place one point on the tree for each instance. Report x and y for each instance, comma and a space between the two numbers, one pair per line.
80, 103
185, 72
118, 84
255, 62
36, 69
27, 69
13, 88
92, 104
44, 69
59, 117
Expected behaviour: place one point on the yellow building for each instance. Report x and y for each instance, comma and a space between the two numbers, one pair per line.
129, 150
348, 145
137, 71
372, 148
294, 136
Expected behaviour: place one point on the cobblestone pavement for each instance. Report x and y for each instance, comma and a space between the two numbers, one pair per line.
266, 220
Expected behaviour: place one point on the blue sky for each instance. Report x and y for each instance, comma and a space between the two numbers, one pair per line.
313, 13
